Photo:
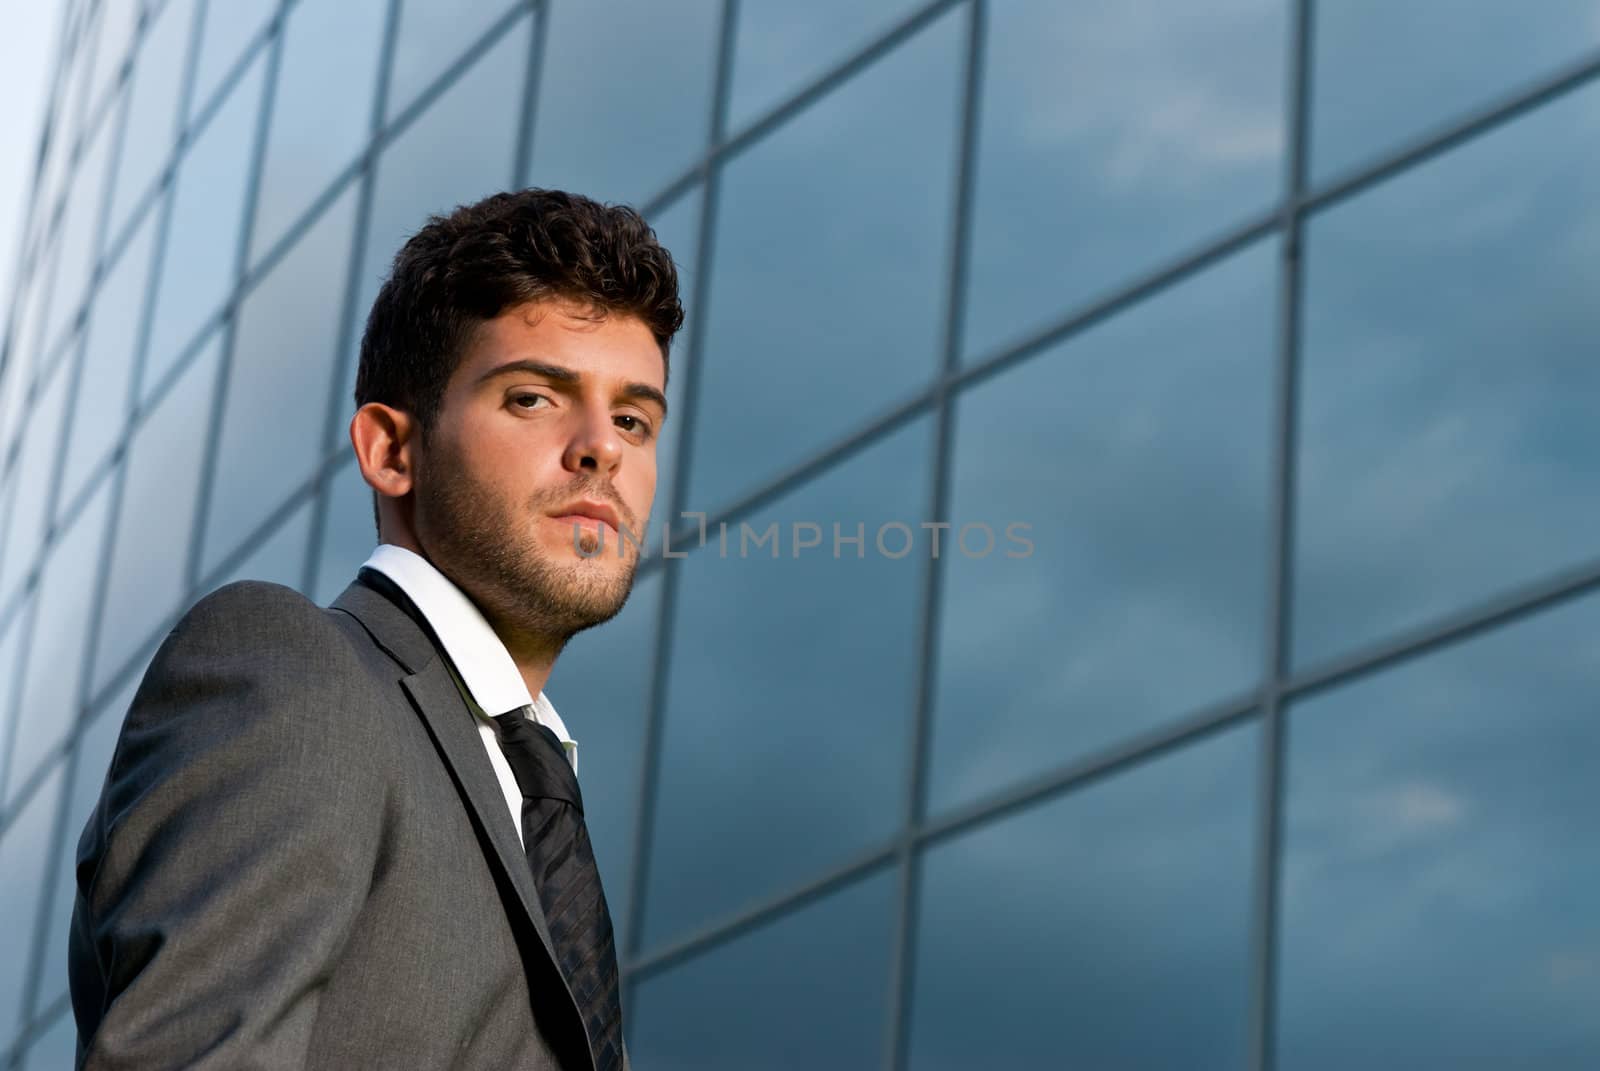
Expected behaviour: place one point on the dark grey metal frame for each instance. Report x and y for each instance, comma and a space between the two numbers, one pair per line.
1266, 703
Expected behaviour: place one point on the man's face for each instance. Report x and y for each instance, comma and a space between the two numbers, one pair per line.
551, 413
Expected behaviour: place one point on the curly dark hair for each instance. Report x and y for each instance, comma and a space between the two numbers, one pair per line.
469, 266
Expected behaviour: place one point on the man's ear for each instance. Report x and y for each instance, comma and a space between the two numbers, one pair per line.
385, 441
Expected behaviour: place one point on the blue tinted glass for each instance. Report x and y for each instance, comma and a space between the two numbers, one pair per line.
1386, 72
779, 46
281, 558
198, 267
150, 550
1439, 876
24, 853
17, 376
350, 534
102, 399
771, 771
1114, 136
229, 28
1109, 928
114, 38
322, 113
51, 683
623, 138
1137, 454
677, 228
601, 688
79, 238
56, 1048
152, 122
91, 759
28, 516
806, 991
1449, 446
12, 634
284, 363
461, 149
432, 35
830, 268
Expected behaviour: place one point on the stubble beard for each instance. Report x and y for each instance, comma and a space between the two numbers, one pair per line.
489, 550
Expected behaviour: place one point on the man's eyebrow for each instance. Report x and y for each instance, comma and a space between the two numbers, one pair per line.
641, 391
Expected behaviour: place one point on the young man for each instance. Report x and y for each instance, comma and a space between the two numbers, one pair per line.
352, 837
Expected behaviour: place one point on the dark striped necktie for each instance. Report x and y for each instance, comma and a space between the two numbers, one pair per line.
557, 843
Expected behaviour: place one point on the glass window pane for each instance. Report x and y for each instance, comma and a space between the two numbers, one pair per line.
28, 518
56, 1048
322, 115
601, 689
759, 1001
51, 686
677, 227
27, 315
1439, 875
624, 142
349, 536
13, 630
458, 151
91, 759
432, 35
780, 47
282, 369
1449, 446
150, 552
1114, 136
152, 124
198, 267
102, 403
1387, 72
24, 854
229, 27
771, 772
119, 20
79, 239
855, 198
1109, 928
1138, 455
281, 558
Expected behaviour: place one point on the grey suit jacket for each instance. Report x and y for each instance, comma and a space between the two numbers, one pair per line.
301, 858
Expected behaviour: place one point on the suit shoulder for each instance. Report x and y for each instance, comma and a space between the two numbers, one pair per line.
268, 626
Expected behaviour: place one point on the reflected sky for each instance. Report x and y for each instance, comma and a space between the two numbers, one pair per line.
432, 35
735, 1007
1386, 72
152, 122
283, 367
1448, 432
789, 704
1439, 876
322, 108
1108, 928
51, 685
1114, 136
803, 346
614, 139
1137, 453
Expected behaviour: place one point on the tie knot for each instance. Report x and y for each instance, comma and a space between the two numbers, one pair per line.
537, 758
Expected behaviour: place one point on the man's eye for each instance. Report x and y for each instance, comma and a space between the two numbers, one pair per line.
635, 424
526, 401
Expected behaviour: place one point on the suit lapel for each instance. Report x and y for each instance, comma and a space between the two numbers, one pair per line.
454, 730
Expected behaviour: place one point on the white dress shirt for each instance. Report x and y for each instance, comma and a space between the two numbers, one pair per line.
480, 660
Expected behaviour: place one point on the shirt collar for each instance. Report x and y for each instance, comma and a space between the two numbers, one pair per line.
479, 657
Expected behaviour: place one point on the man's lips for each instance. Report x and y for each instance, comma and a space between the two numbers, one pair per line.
588, 514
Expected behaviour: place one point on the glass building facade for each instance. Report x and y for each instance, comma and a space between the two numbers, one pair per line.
1272, 740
